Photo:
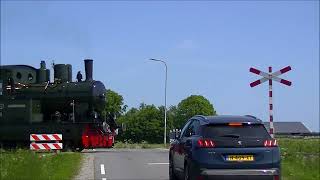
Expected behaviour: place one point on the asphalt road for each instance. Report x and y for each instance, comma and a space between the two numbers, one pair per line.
131, 164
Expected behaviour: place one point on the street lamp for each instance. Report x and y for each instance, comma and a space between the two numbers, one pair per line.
165, 101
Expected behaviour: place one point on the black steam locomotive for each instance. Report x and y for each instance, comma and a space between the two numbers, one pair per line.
31, 104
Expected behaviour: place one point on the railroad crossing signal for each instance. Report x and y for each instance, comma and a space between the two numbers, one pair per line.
269, 77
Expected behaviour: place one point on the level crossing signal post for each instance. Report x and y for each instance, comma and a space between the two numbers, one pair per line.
270, 77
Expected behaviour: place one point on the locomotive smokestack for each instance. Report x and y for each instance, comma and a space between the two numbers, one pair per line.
43, 65
88, 65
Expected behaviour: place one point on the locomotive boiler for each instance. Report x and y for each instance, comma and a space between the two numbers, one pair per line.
31, 104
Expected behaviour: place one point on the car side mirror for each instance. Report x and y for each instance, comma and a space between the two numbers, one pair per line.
177, 134
174, 134
188, 144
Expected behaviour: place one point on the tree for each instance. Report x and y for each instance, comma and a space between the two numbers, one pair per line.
143, 124
146, 123
114, 103
192, 105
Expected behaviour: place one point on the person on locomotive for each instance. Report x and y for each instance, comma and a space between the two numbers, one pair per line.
79, 76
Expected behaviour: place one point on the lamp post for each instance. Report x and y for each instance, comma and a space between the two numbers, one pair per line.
165, 100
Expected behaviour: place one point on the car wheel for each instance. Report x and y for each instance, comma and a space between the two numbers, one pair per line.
172, 175
186, 172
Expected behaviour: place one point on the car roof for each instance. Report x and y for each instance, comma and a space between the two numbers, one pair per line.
225, 119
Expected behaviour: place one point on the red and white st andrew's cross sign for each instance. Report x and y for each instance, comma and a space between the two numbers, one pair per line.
270, 76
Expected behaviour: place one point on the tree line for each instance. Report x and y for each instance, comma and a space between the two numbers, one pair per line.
146, 122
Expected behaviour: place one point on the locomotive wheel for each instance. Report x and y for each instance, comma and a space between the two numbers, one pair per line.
68, 146
78, 149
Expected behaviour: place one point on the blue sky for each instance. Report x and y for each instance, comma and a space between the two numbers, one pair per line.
208, 46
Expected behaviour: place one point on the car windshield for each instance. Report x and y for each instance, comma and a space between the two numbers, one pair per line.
226, 131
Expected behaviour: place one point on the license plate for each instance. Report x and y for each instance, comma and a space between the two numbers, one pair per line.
240, 158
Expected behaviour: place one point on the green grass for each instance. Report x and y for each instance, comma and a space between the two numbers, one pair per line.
24, 164
300, 159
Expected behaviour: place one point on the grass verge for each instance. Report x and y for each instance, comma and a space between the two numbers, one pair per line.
300, 159
24, 164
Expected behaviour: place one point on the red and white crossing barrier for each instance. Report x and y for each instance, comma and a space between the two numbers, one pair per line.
45, 137
270, 76
47, 145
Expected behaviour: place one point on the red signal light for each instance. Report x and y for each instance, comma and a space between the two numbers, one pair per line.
206, 143
270, 143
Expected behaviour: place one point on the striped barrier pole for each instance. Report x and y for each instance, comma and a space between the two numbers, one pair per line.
269, 77
270, 104
44, 142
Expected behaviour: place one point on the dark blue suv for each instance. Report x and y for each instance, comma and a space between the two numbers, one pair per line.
224, 147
